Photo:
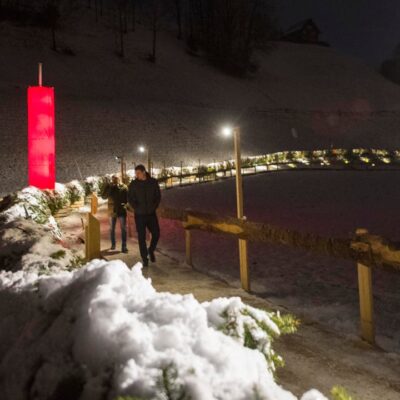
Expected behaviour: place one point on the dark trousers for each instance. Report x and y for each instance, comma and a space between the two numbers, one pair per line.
149, 222
122, 223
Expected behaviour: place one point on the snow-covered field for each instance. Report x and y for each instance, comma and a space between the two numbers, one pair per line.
301, 97
326, 202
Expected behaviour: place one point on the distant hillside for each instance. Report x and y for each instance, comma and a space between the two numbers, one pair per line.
302, 96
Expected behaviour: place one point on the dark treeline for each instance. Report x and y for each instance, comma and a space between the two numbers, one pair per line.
44, 13
226, 32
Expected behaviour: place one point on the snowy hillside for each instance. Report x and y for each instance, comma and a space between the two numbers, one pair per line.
301, 97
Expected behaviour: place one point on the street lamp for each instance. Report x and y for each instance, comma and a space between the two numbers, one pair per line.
120, 160
243, 258
143, 150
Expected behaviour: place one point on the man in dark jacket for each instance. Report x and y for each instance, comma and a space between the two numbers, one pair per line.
117, 195
144, 197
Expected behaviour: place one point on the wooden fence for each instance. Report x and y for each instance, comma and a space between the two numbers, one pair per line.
366, 250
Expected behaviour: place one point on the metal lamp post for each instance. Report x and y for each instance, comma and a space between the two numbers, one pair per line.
243, 258
143, 149
120, 160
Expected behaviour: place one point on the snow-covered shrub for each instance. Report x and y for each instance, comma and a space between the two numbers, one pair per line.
30, 236
27, 245
252, 327
103, 331
340, 393
57, 198
91, 185
30, 203
103, 184
96, 184
76, 192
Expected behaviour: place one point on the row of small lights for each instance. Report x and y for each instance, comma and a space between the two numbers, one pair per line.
227, 131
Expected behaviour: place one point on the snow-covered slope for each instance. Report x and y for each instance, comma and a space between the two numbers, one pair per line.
301, 97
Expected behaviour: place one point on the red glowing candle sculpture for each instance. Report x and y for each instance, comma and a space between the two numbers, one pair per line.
41, 140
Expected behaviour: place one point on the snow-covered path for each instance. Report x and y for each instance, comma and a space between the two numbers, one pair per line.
314, 356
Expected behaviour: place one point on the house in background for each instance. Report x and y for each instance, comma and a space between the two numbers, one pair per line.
303, 32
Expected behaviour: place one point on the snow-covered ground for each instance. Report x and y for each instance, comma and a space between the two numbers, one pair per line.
104, 331
326, 202
301, 97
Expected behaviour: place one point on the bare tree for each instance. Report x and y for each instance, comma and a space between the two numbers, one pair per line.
121, 29
154, 12
228, 30
178, 8
52, 15
133, 12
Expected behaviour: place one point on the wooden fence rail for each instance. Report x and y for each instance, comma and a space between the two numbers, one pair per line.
368, 251
373, 251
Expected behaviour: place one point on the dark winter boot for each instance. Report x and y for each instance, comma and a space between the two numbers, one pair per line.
152, 256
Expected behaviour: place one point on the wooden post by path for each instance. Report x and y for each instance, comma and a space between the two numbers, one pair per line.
94, 204
243, 258
92, 238
365, 291
366, 303
188, 247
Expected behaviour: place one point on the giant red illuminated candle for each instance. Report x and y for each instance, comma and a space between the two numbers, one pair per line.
41, 140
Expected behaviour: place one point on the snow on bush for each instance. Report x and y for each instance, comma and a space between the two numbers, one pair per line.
96, 184
76, 191
30, 236
26, 245
103, 331
57, 198
30, 203
251, 327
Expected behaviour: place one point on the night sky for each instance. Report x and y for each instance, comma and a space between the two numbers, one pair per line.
367, 29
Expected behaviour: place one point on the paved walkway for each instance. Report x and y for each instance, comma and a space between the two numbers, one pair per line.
314, 356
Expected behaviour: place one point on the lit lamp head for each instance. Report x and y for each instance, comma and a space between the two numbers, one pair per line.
118, 159
227, 131
141, 149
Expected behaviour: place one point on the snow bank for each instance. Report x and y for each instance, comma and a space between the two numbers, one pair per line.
104, 331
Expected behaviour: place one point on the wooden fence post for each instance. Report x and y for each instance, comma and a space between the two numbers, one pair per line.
188, 246
92, 238
366, 303
94, 204
244, 265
